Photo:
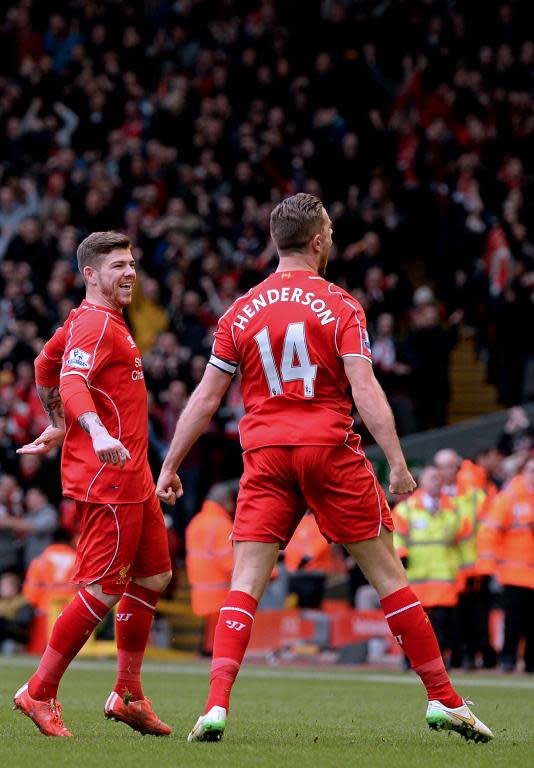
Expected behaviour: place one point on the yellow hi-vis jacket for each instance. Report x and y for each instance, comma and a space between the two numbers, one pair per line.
430, 540
475, 493
471, 507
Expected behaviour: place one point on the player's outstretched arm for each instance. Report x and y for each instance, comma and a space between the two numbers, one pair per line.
47, 367
374, 409
52, 405
47, 441
192, 423
54, 433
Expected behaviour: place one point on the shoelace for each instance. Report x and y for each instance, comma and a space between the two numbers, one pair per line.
55, 708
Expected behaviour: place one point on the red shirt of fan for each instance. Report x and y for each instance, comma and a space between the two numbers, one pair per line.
95, 346
289, 335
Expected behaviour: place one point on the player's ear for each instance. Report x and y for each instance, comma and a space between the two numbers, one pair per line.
89, 275
316, 242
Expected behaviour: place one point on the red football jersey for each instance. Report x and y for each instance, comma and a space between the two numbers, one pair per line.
95, 344
288, 335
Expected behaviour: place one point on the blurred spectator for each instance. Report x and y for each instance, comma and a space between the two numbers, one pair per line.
428, 531
16, 614
392, 369
308, 561
49, 574
11, 509
464, 485
175, 399
18, 200
430, 344
517, 433
506, 547
34, 528
146, 316
209, 553
8, 447
47, 582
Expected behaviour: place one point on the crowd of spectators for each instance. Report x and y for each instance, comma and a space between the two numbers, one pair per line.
183, 122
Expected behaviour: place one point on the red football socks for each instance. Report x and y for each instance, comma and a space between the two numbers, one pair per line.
413, 631
132, 629
229, 645
71, 631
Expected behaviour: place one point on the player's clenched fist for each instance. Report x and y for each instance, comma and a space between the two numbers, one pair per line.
169, 487
401, 481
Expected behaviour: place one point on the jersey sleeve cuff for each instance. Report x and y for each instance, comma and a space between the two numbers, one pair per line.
223, 365
355, 354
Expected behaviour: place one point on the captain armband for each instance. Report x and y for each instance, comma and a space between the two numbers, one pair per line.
223, 365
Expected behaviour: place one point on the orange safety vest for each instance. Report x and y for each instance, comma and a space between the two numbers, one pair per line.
506, 536
470, 476
49, 576
209, 558
308, 541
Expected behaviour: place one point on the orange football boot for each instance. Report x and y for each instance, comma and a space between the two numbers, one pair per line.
45, 714
139, 715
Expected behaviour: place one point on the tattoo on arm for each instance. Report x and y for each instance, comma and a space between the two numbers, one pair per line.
85, 420
51, 402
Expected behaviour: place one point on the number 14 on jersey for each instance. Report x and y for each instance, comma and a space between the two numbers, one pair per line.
294, 351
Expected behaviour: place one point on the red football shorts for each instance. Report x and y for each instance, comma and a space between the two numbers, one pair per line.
336, 482
120, 541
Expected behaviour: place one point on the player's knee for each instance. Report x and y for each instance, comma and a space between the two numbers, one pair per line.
158, 582
253, 585
96, 591
162, 580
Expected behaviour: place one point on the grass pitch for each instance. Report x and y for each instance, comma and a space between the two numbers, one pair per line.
280, 717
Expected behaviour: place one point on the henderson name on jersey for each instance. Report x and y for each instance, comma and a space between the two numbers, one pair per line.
289, 335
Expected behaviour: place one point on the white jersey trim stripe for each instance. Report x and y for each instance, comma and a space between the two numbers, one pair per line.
366, 464
118, 436
113, 404
335, 337
69, 342
94, 613
96, 347
114, 510
233, 337
73, 373
93, 480
338, 293
356, 354
239, 610
401, 610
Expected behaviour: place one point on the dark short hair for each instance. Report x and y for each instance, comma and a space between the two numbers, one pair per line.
98, 244
295, 220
